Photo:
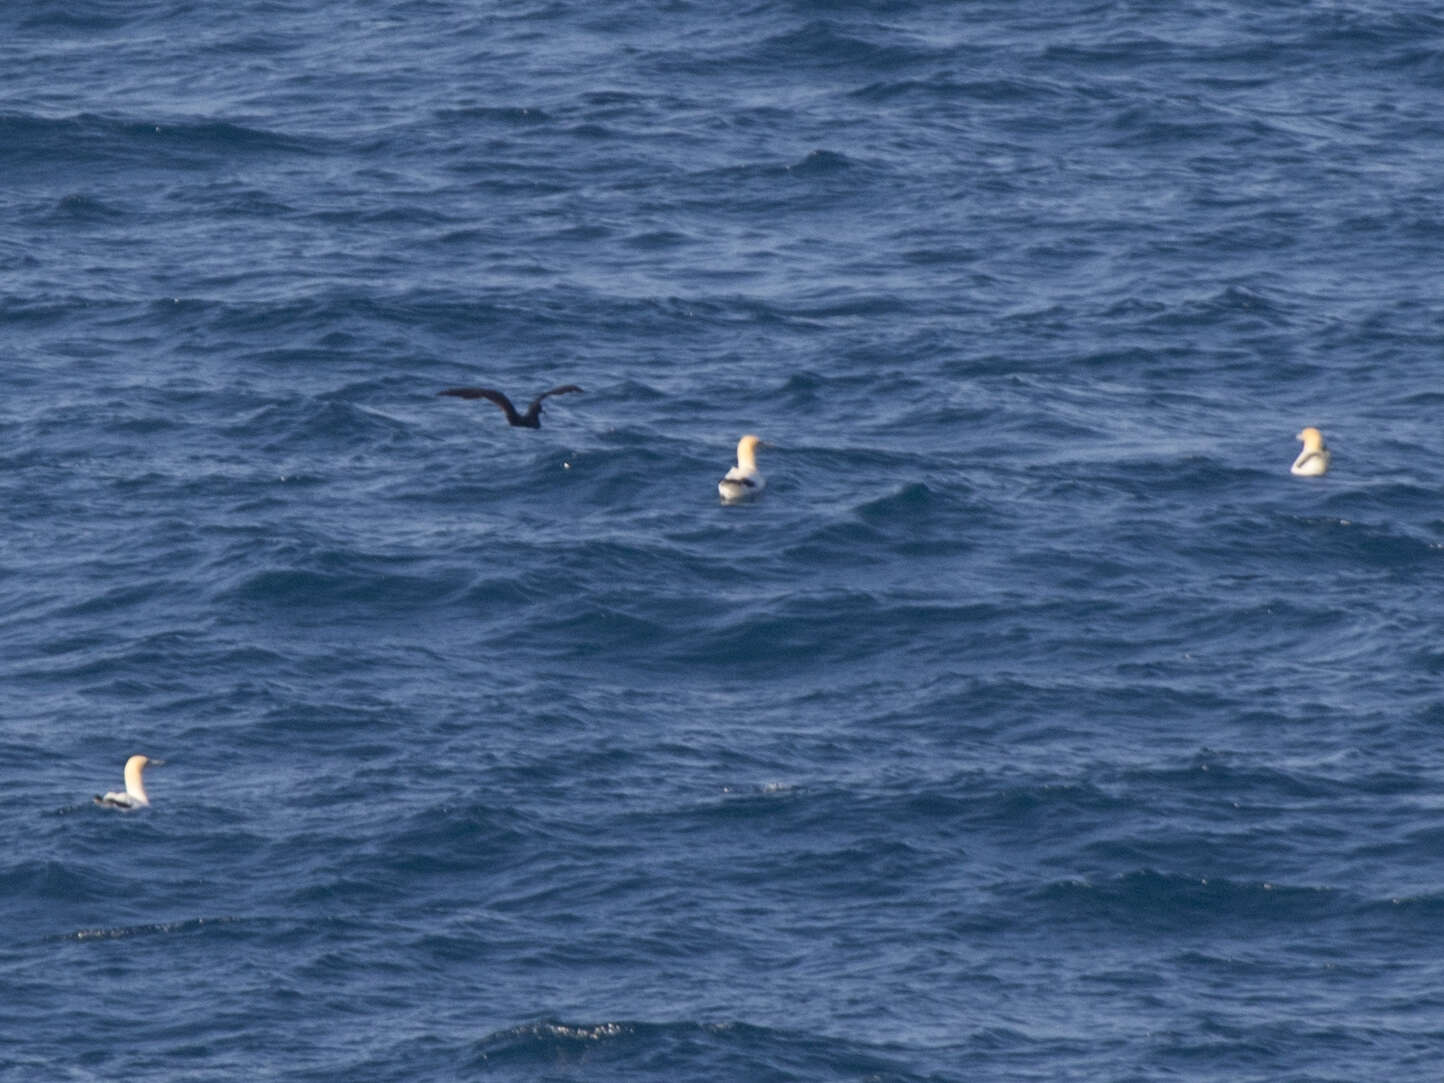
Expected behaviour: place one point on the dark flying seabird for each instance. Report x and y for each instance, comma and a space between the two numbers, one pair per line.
134, 796
529, 420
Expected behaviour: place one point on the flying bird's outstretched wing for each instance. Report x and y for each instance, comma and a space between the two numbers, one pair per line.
493, 395
536, 402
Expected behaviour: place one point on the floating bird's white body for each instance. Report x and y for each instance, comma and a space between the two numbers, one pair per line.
743, 480
1313, 461
134, 796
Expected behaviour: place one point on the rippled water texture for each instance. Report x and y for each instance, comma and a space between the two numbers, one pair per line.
1034, 724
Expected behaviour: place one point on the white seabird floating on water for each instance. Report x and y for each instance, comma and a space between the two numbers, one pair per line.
743, 480
1313, 461
134, 796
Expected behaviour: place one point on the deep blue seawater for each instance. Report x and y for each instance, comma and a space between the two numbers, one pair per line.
1036, 724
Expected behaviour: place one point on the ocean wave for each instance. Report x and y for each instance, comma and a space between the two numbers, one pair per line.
613, 1049
1149, 899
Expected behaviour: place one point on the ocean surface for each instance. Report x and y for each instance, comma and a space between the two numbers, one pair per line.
1034, 724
